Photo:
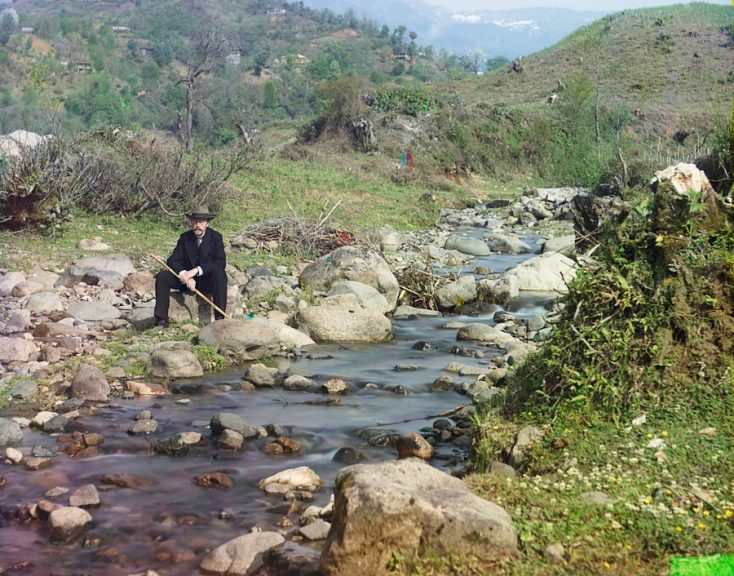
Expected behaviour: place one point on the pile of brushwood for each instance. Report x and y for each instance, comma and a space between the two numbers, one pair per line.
652, 321
108, 172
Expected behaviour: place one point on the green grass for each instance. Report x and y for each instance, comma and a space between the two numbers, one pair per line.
366, 199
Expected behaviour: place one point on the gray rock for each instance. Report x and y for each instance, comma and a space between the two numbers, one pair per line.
68, 522
261, 375
143, 428
109, 269
44, 303
24, 390
234, 558
352, 263
507, 243
298, 383
563, 244
229, 421
366, 295
465, 245
457, 293
407, 311
231, 440
340, 319
170, 364
17, 349
90, 384
86, 496
241, 340
9, 280
477, 332
526, 437
502, 470
553, 553
10, 432
93, 311
549, 272
18, 321
408, 507
316, 530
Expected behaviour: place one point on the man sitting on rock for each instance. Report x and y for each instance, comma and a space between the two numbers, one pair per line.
199, 261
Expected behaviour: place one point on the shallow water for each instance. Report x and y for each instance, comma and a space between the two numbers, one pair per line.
170, 524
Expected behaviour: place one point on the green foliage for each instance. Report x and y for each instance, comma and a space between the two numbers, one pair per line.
636, 329
405, 100
210, 359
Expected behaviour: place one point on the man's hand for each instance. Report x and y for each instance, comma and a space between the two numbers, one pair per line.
187, 277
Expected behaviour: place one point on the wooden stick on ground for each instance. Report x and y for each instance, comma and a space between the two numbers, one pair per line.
195, 290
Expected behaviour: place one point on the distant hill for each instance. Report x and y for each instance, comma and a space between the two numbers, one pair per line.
509, 33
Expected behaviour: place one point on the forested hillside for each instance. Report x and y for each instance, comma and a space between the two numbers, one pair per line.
126, 63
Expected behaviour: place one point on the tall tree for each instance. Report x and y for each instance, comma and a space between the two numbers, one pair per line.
206, 50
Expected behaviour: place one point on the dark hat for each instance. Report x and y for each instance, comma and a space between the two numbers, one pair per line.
201, 213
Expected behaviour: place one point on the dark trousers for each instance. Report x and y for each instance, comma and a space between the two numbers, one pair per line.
214, 283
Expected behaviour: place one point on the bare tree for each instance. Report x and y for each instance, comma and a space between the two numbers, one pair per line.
206, 50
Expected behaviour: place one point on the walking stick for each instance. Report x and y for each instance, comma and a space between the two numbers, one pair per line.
195, 290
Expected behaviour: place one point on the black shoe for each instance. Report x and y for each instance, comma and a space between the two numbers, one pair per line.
161, 323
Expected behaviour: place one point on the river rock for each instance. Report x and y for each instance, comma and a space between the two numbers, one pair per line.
17, 349
95, 311
507, 243
109, 270
139, 282
413, 445
457, 293
18, 321
86, 496
234, 558
10, 432
25, 390
466, 245
299, 383
526, 437
92, 245
229, 421
23, 289
341, 318
68, 522
169, 364
549, 272
367, 296
316, 530
8, 281
241, 340
90, 384
292, 559
355, 263
407, 311
563, 244
407, 507
143, 427
478, 332
300, 478
261, 375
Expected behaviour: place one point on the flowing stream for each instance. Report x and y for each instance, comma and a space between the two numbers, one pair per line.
169, 524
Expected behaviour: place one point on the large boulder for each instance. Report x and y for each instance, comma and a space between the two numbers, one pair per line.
240, 340
549, 272
407, 507
352, 263
236, 557
457, 293
367, 296
109, 270
15, 144
175, 360
467, 245
341, 318
90, 384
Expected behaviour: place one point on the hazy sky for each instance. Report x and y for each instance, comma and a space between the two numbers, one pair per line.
603, 5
